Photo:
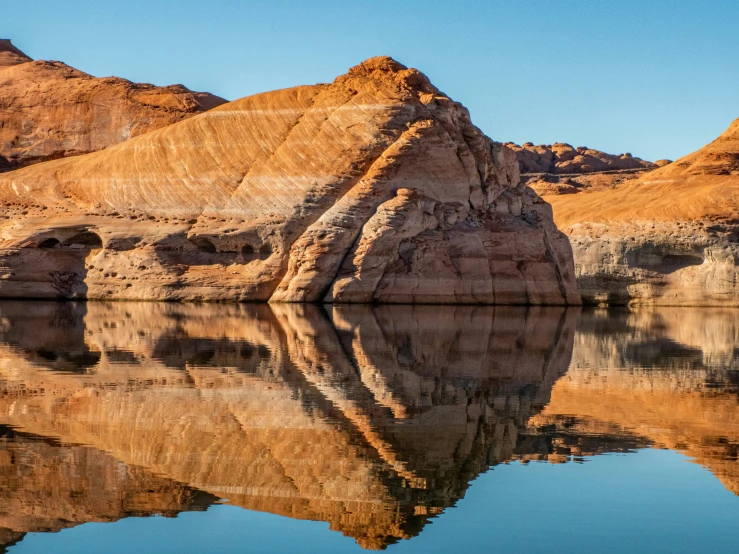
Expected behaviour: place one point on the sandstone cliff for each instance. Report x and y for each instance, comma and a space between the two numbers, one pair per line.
669, 237
50, 110
375, 188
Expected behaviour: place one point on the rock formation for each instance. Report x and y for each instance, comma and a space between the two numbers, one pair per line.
50, 110
373, 419
375, 188
562, 158
561, 169
670, 237
10, 55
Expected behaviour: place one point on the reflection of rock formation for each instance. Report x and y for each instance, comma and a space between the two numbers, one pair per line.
666, 377
372, 419
47, 486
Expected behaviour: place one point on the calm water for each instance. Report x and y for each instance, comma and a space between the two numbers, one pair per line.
140, 427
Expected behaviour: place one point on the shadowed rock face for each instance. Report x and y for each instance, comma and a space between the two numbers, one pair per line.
374, 188
667, 238
51, 110
373, 420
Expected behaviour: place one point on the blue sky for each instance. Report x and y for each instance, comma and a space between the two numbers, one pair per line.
656, 78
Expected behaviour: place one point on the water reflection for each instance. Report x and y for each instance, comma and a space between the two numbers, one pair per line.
373, 419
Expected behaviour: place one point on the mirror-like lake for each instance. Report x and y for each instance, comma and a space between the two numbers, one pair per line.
144, 427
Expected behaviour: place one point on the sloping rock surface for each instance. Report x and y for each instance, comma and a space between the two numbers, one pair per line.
10, 55
375, 188
50, 110
670, 237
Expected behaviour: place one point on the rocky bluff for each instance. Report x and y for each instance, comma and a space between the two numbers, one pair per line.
374, 188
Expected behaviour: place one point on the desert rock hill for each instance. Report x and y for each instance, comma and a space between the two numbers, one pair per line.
669, 237
375, 188
50, 110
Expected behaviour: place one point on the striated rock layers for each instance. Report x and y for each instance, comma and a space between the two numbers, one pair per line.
375, 188
670, 237
49, 110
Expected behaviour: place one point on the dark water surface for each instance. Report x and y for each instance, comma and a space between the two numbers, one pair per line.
142, 427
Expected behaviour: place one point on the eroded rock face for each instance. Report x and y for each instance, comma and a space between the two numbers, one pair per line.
670, 237
50, 110
375, 188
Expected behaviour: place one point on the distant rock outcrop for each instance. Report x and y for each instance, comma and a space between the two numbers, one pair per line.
669, 237
562, 158
559, 168
50, 110
10, 55
375, 188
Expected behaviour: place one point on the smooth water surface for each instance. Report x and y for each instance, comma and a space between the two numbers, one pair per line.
141, 427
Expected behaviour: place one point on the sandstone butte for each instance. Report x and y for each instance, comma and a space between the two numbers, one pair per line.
50, 110
374, 188
563, 158
669, 237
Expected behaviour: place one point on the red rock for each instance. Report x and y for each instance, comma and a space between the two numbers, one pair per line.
375, 188
51, 110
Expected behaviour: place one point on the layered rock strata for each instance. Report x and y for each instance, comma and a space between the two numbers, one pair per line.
670, 237
50, 110
559, 168
375, 188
